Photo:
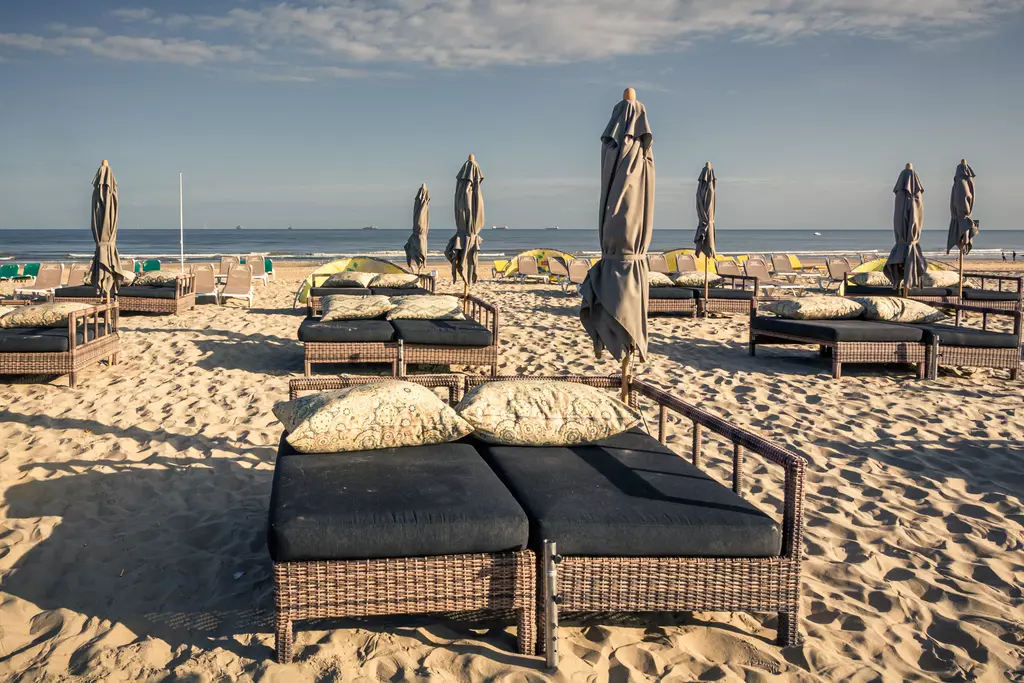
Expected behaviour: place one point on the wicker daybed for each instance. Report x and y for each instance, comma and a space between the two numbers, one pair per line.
473, 341
90, 336
427, 285
1008, 293
588, 510
141, 298
731, 296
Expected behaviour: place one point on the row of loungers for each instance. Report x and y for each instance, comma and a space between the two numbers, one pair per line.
926, 345
90, 336
469, 526
473, 341
140, 298
1007, 295
735, 297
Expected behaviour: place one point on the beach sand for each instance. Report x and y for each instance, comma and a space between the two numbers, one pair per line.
133, 512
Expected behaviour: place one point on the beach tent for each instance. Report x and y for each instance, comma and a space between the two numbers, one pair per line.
362, 264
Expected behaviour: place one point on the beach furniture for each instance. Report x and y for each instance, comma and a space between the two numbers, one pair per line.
206, 281
727, 268
473, 341
258, 264
90, 336
8, 271
498, 268
528, 267
150, 264
810, 265
447, 536
269, 268
77, 273
978, 292
836, 271
226, 262
686, 263
28, 272
169, 300
129, 265
46, 281
559, 269
759, 269
578, 269
657, 263
427, 285
783, 267
239, 284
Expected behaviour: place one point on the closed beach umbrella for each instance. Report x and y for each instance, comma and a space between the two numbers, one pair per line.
704, 240
416, 247
906, 263
962, 228
614, 307
464, 246
106, 265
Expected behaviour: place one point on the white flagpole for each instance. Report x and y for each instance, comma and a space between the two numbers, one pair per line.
181, 222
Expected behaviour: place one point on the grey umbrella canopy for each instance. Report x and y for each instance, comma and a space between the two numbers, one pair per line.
106, 265
704, 240
614, 307
416, 247
962, 228
906, 263
464, 246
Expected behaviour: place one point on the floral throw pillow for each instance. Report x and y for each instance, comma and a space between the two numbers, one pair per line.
940, 278
387, 414
157, 278
544, 413
659, 280
816, 308
396, 281
350, 279
426, 307
697, 280
42, 315
896, 309
343, 307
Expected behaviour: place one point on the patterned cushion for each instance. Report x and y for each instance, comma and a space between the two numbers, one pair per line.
6, 309
351, 279
697, 279
544, 413
426, 307
940, 278
875, 278
42, 315
659, 280
816, 308
396, 280
387, 414
896, 309
157, 278
339, 307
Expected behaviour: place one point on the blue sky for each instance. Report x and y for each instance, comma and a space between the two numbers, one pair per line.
331, 114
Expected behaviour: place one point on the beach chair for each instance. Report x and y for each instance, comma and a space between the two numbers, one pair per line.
528, 268
558, 268
685, 263
268, 266
258, 264
578, 270
239, 284
759, 269
150, 264
77, 273
783, 267
206, 281
837, 269
727, 268
29, 272
657, 263
8, 271
226, 263
128, 265
48, 279
498, 268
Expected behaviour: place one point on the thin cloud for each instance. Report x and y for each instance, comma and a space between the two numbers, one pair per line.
129, 48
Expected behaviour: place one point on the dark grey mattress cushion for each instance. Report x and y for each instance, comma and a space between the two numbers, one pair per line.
315, 330
724, 293
950, 335
327, 291
398, 291
77, 292
670, 293
974, 294
397, 502
629, 496
40, 339
866, 290
443, 332
839, 330
147, 292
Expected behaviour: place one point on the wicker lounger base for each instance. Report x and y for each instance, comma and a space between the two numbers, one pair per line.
672, 306
966, 356
450, 355
853, 352
139, 304
724, 306
352, 352
416, 585
65, 362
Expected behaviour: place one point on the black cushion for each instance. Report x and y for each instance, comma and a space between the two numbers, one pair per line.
872, 290
443, 332
724, 293
327, 291
315, 330
78, 292
147, 292
398, 291
974, 294
396, 502
839, 330
950, 335
41, 339
629, 496
670, 293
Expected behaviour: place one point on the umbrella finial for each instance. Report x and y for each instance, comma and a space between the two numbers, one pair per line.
472, 158
629, 94
104, 163
910, 166
707, 164
963, 161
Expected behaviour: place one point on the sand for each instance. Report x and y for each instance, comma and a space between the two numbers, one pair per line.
132, 514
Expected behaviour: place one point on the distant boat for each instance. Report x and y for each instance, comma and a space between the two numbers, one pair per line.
370, 227
289, 227
499, 227
552, 228
817, 234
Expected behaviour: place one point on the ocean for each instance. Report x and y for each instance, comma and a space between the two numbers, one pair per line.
208, 244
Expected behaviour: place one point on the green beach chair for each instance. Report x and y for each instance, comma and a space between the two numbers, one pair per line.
30, 272
269, 267
150, 264
8, 271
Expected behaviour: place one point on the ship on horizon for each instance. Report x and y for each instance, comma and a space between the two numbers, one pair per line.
499, 227
371, 227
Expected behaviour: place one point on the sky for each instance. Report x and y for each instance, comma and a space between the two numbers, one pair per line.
331, 113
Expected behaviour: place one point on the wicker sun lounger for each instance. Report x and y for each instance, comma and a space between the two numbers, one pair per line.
962, 346
415, 562
736, 294
141, 299
91, 336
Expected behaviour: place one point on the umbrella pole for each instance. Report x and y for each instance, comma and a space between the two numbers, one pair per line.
627, 362
960, 288
705, 285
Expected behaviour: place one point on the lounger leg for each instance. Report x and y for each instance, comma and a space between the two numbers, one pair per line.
309, 368
72, 379
789, 629
283, 641
526, 622
837, 368
922, 372
753, 348
1014, 373
822, 350
551, 600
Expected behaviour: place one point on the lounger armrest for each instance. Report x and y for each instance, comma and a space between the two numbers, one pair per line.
744, 441
307, 385
428, 282
484, 313
184, 284
1000, 279
1018, 317
101, 316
